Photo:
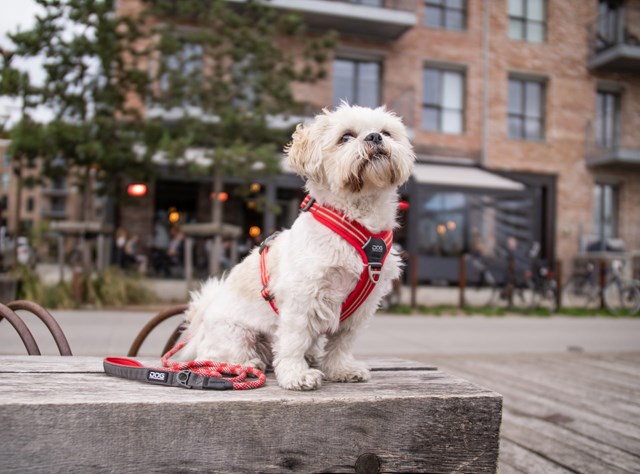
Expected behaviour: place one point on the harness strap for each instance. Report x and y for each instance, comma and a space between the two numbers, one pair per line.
372, 248
198, 374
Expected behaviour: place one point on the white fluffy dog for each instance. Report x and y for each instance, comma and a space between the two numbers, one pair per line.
353, 160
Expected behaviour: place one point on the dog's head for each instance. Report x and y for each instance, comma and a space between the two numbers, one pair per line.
352, 150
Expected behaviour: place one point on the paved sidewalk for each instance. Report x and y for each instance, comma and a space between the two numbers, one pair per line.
102, 333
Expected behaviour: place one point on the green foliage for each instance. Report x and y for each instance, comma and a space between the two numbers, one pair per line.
115, 288
92, 65
227, 68
110, 288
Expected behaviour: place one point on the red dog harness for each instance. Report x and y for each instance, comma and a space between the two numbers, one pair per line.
372, 248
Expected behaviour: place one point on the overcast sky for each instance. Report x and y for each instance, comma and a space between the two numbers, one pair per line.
14, 14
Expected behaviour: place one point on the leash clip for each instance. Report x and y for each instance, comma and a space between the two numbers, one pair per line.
189, 379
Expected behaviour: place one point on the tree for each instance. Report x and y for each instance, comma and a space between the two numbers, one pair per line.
228, 69
91, 60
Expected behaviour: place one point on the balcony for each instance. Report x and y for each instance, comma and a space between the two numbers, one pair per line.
382, 20
55, 192
55, 213
614, 40
620, 152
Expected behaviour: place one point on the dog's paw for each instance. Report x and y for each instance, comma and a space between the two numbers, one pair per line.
308, 379
352, 372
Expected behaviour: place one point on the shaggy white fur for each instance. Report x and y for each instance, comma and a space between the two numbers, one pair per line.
312, 269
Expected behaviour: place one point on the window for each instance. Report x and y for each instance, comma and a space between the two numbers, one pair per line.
605, 211
442, 100
448, 14
607, 113
526, 109
608, 24
357, 82
6, 160
30, 204
187, 64
6, 178
527, 20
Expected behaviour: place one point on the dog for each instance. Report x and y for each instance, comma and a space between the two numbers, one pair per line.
353, 160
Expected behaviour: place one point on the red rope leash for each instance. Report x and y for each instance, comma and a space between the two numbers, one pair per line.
207, 368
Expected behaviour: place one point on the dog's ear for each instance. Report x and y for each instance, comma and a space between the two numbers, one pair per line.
305, 153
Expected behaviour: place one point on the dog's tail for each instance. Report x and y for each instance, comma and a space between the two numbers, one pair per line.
202, 299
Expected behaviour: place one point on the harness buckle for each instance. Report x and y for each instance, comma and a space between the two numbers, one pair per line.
375, 270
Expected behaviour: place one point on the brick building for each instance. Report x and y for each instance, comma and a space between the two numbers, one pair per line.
524, 115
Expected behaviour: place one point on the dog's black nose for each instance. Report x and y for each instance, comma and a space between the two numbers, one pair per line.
374, 137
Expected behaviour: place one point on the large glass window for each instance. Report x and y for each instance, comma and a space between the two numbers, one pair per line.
607, 113
357, 82
448, 14
605, 211
527, 20
442, 100
526, 109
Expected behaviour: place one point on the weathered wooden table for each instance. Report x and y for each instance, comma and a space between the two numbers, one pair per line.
63, 414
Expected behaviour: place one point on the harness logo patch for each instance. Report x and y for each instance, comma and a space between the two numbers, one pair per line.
375, 249
157, 376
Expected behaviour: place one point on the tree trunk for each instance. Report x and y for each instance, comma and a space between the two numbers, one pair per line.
216, 218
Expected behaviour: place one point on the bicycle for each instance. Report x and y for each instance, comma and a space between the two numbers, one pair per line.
620, 296
542, 282
581, 290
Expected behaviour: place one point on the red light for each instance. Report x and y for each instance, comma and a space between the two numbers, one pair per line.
403, 205
137, 190
222, 197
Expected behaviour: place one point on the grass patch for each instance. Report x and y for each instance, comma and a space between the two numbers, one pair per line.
453, 310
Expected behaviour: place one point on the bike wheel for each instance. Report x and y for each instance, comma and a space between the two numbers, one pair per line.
482, 295
620, 298
580, 292
546, 297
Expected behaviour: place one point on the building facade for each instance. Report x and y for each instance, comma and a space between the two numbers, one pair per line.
524, 115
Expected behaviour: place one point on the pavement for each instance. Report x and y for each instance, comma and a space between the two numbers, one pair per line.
102, 333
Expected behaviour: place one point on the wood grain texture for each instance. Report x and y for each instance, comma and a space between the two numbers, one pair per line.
74, 419
562, 412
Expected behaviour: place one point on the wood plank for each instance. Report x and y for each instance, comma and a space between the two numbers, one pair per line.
567, 448
524, 398
516, 458
77, 364
558, 390
413, 420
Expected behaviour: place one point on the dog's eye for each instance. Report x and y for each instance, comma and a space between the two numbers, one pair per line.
346, 137
385, 133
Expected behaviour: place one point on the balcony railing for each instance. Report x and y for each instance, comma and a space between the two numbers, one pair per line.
384, 20
614, 39
620, 149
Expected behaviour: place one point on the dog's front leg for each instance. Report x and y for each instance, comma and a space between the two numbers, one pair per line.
338, 364
294, 337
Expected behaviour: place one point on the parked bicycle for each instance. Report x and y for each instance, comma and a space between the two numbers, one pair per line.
618, 295
531, 287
